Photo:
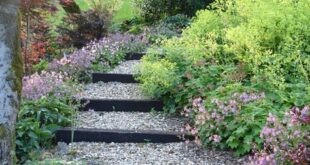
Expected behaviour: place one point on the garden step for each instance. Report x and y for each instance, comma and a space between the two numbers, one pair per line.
134, 56
112, 77
122, 73
69, 135
130, 121
142, 153
126, 67
113, 90
108, 105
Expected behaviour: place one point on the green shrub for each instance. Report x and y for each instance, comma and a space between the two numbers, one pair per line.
42, 65
37, 121
153, 10
262, 46
169, 27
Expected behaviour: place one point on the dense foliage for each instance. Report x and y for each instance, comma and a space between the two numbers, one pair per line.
35, 31
79, 28
245, 59
37, 121
169, 27
153, 10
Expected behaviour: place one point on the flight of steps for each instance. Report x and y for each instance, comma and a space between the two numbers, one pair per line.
120, 125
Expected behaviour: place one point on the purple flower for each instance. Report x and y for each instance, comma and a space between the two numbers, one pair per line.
38, 85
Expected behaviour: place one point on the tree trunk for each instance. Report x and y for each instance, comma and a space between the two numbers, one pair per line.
11, 70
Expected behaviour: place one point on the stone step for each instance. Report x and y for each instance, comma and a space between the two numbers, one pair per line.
111, 105
142, 153
115, 96
121, 127
69, 135
112, 77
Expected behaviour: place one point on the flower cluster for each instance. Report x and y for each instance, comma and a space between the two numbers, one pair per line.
83, 58
37, 85
216, 116
285, 141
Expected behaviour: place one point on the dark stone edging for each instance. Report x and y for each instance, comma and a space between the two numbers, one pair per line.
112, 77
134, 56
107, 105
69, 135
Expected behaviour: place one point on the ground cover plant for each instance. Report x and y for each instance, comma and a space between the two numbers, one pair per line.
233, 68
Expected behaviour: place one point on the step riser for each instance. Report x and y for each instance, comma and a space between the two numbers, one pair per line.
116, 136
122, 105
105, 77
134, 56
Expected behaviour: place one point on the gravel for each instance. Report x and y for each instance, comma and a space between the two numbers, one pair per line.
143, 153
126, 67
113, 90
129, 121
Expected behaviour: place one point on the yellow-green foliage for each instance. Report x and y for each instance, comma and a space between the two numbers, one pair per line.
157, 75
261, 45
271, 37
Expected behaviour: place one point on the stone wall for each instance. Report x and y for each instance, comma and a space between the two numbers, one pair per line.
11, 70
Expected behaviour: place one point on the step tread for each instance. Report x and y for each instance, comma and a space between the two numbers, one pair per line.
142, 153
126, 67
113, 90
130, 121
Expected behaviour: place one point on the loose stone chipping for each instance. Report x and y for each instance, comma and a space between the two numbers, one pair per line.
129, 121
133, 153
113, 90
143, 153
127, 67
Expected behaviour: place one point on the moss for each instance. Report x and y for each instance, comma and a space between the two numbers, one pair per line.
17, 61
2, 131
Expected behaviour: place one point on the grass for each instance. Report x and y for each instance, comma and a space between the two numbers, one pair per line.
126, 11
56, 19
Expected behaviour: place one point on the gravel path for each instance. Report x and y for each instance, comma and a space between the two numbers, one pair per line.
143, 153
126, 67
113, 90
129, 121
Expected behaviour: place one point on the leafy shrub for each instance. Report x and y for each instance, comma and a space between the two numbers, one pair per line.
37, 121
153, 10
79, 29
169, 27
41, 66
231, 118
242, 46
36, 34
176, 22
133, 25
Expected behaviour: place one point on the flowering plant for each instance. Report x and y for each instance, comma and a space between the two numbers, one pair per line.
95, 56
287, 141
233, 121
37, 85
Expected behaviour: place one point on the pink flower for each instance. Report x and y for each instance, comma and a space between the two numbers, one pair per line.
217, 138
